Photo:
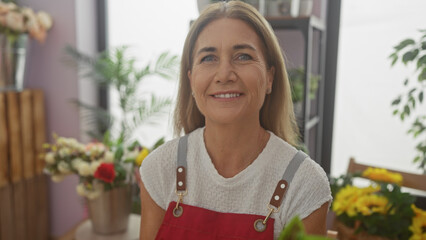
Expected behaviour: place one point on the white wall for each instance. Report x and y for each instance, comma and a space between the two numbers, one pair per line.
366, 84
151, 28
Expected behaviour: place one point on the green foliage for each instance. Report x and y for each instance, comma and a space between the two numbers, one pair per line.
115, 69
295, 230
411, 52
337, 183
296, 77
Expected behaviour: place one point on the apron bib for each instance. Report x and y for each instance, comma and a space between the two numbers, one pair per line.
187, 222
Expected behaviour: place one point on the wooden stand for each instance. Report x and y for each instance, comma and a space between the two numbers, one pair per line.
23, 190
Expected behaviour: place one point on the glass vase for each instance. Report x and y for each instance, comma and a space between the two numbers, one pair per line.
13, 51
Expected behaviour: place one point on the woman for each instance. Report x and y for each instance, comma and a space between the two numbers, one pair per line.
236, 174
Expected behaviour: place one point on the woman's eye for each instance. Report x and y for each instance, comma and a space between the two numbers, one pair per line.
207, 58
244, 57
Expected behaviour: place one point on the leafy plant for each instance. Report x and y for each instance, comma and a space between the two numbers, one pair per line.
113, 68
413, 53
380, 209
296, 77
295, 230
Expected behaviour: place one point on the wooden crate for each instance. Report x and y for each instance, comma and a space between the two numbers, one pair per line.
23, 189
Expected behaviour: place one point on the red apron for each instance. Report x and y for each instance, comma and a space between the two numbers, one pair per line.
197, 223
187, 222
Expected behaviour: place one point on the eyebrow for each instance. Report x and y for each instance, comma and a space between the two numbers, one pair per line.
206, 49
244, 46
236, 47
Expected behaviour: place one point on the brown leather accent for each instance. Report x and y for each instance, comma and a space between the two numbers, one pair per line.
280, 192
181, 177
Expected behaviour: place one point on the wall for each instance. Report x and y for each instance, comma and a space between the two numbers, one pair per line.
366, 84
48, 70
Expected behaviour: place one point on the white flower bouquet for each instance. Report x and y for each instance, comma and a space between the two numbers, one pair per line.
15, 20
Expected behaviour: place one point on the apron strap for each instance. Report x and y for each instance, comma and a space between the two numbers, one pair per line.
181, 175
283, 184
280, 190
181, 164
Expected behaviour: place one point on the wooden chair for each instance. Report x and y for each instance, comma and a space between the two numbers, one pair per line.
410, 180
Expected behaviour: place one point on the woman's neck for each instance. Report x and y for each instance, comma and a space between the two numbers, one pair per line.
234, 148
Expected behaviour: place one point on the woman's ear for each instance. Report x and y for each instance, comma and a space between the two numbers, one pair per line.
189, 77
270, 77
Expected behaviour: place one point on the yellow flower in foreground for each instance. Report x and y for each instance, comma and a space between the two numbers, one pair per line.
382, 175
419, 212
142, 155
370, 204
345, 199
348, 196
418, 228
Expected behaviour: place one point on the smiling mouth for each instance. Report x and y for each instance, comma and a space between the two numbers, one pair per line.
227, 95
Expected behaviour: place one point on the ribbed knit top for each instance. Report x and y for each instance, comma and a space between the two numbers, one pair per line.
248, 192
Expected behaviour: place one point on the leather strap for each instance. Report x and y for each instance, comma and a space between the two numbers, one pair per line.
181, 164
283, 184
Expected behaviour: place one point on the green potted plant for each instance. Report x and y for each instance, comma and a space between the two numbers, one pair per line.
378, 211
407, 105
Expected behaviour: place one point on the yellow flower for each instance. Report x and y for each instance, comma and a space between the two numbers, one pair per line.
348, 196
345, 199
142, 155
382, 175
369, 204
419, 212
418, 228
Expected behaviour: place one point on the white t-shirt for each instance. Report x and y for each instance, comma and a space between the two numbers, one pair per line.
248, 192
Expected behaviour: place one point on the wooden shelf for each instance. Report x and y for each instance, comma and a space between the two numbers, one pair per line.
286, 22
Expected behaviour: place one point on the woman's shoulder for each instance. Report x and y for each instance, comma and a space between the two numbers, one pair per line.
281, 149
158, 171
165, 156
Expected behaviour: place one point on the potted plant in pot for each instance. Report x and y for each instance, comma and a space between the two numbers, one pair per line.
106, 165
379, 211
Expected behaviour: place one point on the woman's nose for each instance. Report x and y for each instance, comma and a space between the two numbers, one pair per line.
225, 72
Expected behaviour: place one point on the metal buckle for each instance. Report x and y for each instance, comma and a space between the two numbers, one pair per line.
178, 210
260, 224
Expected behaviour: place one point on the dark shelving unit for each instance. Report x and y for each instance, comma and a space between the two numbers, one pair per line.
311, 120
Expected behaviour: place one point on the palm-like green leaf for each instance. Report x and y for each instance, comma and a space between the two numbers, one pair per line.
115, 69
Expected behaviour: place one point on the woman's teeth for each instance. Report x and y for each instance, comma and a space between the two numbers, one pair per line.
227, 95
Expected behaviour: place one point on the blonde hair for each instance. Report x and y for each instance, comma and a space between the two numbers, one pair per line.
276, 114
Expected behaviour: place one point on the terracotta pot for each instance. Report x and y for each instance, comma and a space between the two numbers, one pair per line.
346, 233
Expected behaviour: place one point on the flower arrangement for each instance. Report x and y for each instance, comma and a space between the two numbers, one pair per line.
100, 166
15, 20
380, 209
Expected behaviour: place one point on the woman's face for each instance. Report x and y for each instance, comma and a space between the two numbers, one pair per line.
229, 76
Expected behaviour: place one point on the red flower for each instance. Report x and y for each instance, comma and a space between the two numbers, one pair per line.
105, 172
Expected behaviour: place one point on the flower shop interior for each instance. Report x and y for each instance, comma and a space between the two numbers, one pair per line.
59, 103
